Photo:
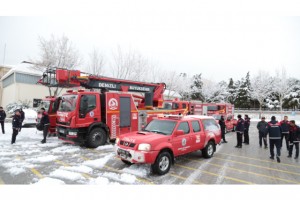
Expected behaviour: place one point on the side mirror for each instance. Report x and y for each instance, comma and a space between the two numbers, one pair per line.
178, 133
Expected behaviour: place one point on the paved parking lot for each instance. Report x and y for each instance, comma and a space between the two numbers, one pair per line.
29, 162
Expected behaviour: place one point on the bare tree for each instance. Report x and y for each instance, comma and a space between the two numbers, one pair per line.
96, 63
282, 86
129, 65
57, 52
261, 88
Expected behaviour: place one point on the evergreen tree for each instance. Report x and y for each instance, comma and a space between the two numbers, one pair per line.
196, 87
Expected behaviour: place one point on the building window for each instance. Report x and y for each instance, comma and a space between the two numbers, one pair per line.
26, 78
8, 80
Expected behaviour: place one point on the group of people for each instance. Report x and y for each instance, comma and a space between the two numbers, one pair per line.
17, 121
277, 132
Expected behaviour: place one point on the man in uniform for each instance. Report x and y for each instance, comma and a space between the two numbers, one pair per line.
294, 139
246, 132
240, 128
16, 125
45, 122
274, 130
223, 128
285, 127
262, 127
2, 119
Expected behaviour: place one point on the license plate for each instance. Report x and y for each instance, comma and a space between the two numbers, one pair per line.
61, 131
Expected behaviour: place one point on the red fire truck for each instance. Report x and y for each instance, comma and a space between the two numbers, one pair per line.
107, 110
209, 109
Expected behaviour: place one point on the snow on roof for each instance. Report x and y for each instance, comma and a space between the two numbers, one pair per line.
199, 117
23, 68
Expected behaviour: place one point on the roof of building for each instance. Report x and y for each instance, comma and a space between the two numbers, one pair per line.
23, 68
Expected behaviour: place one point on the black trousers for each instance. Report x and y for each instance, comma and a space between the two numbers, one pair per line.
45, 132
2, 126
277, 144
239, 137
246, 136
223, 134
287, 137
296, 144
14, 135
262, 137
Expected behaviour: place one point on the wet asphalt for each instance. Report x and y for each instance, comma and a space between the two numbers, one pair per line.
229, 165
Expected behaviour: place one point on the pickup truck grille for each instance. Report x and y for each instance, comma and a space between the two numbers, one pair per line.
127, 144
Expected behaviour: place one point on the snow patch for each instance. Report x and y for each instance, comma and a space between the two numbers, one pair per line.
64, 174
48, 145
80, 169
126, 178
98, 163
50, 181
138, 170
43, 159
105, 147
66, 149
15, 170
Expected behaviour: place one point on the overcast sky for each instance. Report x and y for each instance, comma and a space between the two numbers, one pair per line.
180, 38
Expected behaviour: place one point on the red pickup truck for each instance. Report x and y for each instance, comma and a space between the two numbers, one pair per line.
163, 139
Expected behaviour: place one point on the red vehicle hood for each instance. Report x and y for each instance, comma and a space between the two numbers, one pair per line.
139, 137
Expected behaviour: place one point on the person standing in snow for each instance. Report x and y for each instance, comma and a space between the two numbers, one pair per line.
45, 122
16, 125
262, 127
274, 130
2, 119
294, 138
223, 127
246, 131
239, 131
22, 114
285, 127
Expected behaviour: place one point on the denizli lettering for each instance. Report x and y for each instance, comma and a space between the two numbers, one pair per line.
107, 85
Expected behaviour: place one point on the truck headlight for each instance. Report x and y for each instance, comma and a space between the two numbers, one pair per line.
72, 133
144, 147
117, 140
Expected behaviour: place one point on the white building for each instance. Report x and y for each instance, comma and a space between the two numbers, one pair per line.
20, 84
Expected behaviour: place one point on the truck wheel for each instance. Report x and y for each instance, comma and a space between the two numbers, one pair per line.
162, 164
96, 137
127, 162
208, 151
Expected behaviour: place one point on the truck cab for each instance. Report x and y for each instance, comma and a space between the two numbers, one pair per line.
165, 138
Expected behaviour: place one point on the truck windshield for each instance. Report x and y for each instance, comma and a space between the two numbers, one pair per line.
68, 103
164, 127
46, 105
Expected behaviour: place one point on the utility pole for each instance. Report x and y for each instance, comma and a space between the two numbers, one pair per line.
4, 53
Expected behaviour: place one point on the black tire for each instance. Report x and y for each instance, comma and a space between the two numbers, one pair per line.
96, 137
127, 162
209, 150
162, 163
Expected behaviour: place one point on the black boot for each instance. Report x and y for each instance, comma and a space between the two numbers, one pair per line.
278, 159
43, 141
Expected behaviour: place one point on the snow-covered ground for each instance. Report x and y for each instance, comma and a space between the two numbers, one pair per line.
30, 162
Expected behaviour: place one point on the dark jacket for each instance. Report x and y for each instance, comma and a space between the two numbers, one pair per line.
2, 115
262, 126
294, 134
16, 122
247, 123
274, 130
45, 119
22, 115
285, 127
222, 124
240, 127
